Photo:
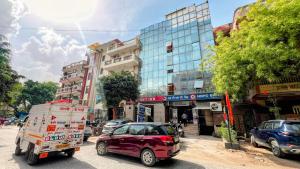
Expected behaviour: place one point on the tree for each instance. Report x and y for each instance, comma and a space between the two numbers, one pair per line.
8, 77
265, 47
36, 93
118, 87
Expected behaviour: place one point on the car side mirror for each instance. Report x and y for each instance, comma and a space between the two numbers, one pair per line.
110, 133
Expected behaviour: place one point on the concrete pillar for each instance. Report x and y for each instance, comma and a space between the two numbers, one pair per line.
159, 113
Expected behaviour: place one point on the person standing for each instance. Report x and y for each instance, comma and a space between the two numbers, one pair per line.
184, 119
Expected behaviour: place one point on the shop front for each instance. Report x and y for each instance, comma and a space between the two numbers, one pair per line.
282, 99
203, 110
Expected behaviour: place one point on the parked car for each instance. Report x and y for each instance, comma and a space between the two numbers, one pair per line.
110, 125
88, 132
282, 136
149, 141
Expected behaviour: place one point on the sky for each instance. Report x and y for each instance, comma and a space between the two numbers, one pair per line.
45, 35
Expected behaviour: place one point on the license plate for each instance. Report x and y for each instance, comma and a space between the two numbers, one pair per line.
62, 146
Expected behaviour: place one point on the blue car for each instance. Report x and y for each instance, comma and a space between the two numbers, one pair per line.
282, 136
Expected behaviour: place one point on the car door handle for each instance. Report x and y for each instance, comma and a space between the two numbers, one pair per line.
121, 139
142, 140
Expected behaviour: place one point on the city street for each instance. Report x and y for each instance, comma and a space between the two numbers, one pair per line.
206, 152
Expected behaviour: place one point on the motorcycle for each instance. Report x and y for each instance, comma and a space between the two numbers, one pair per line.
178, 127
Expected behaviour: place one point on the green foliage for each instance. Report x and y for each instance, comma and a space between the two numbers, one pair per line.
8, 77
118, 87
36, 93
223, 130
265, 47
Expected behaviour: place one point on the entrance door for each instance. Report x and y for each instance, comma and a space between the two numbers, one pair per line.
205, 123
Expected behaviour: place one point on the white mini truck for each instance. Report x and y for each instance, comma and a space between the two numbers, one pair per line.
53, 127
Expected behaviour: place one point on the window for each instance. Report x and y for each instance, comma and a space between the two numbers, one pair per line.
160, 130
276, 125
103, 58
101, 71
137, 130
121, 130
268, 126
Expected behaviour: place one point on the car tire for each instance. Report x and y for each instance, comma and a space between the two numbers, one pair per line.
70, 153
31, 158
101, 149
18, 150
148, 158
253, 143
276, 149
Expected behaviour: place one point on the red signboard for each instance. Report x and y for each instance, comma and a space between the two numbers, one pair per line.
152, 99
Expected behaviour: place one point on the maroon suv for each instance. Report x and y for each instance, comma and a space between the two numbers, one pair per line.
149, 141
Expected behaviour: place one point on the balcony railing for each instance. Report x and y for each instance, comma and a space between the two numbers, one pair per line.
121, 59
68, 90
83, 62
71, 76
127, 45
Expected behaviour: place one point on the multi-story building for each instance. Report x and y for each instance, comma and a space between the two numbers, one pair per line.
103, 59
174, 77
72, 81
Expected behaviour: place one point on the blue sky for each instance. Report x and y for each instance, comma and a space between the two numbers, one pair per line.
40, 49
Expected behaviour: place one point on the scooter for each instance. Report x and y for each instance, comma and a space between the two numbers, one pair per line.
178, 127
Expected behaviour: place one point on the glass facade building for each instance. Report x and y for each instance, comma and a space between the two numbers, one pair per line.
173, 52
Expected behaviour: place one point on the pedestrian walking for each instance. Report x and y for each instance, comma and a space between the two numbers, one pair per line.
184, 119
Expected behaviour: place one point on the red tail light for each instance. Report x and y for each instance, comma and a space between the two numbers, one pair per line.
166, 139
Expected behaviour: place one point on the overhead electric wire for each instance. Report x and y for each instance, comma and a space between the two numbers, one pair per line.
74, 30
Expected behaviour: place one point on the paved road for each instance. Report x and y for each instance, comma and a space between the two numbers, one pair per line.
86, 158
197, 153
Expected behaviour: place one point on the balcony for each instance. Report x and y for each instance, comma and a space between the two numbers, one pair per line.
75, 90
72, 77
74, 66
121, 63
125, 46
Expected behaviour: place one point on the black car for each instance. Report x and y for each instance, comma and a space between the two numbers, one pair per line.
282, 136
110, 125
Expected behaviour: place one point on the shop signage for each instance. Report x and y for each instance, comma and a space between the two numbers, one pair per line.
148, 111
141, 113
181, 103
152, 99
283, 87
215, 106
200, 96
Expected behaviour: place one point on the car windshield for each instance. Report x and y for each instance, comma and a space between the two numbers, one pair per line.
292, 127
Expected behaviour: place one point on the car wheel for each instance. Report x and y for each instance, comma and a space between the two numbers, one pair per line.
70, 152
253, 143
148, 158
18, 150
101, 148
276, 149
32, 158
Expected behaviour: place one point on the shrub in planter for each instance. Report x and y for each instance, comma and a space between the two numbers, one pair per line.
223, 130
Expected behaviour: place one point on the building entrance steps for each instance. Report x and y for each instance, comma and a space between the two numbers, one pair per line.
191, 130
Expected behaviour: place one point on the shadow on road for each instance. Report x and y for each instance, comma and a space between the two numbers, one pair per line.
170, 163
264, 152
53, 162
87, 143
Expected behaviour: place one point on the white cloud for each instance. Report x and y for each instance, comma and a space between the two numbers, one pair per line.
11, 12
42, 57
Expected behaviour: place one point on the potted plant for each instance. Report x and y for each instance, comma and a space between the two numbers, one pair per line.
229, 142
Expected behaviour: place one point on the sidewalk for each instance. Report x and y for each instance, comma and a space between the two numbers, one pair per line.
210, 150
